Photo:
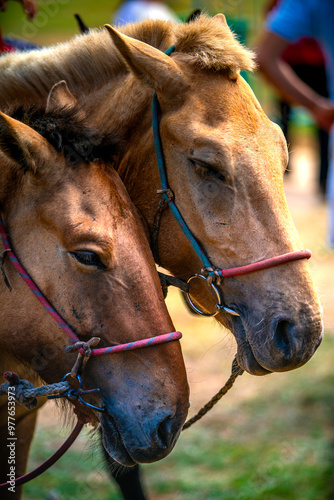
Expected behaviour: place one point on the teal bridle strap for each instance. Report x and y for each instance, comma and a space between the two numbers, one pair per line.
167, 196
164, 182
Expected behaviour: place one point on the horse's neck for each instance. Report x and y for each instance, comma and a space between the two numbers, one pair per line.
87, 63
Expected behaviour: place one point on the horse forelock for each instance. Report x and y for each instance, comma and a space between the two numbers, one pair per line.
69, 133
210, 44
205, 42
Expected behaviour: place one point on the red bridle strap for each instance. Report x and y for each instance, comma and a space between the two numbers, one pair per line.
50, 461
130, 346
265, 264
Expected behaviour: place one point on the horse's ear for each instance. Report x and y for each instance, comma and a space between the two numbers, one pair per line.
221, 18
61, 97
23, 145
150, 64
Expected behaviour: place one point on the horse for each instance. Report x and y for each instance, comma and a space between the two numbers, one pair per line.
73, 227
224, 163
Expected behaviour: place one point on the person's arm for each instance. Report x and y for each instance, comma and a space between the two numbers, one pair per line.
292, 88
29, 6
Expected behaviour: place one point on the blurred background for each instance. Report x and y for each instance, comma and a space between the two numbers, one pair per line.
270, 438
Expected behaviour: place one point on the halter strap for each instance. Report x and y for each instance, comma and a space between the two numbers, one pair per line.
130, 346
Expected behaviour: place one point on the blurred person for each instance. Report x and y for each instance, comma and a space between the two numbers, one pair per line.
288, 22
307, 60
131, 11
8, 44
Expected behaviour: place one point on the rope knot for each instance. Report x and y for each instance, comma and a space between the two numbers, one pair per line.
23, 390
83, 357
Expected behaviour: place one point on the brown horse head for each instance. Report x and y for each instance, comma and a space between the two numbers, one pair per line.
225, 162
74, 229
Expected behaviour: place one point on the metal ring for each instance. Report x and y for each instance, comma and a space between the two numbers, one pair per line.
77, 377
76, 393
98, 408
216, 291
218, 307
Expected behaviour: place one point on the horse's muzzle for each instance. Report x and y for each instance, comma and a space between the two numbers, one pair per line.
138, 438
279, 344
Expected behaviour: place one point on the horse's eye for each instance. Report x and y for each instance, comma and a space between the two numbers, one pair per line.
206, 170
88, 258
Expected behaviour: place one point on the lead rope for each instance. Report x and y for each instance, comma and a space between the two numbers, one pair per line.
82, 420
235, 372
25, 394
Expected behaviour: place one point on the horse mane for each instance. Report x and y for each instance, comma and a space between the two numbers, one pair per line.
68, 132
90, 61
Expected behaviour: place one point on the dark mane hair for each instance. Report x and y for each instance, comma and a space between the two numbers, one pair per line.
69, 133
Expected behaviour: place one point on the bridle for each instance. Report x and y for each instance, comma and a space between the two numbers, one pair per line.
84, 349
209, 273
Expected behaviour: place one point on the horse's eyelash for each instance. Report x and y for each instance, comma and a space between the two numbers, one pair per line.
207, 170
200, 166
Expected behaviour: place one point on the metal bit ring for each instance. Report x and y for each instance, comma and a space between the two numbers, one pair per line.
219, 305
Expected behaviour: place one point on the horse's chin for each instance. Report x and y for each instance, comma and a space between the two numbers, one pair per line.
113, 443
245, 356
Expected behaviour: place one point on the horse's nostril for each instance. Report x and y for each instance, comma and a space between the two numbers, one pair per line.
165, 432
283, 337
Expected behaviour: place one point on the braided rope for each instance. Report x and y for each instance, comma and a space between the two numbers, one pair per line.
235, 372
26, 394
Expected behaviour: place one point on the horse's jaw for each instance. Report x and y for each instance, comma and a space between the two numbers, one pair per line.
245, 357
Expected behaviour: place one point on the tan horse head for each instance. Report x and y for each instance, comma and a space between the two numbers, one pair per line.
73, 227
225, 162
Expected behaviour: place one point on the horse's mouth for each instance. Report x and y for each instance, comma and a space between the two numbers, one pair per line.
113, 443
245, 356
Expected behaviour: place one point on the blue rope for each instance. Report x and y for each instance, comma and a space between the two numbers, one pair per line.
164, 182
